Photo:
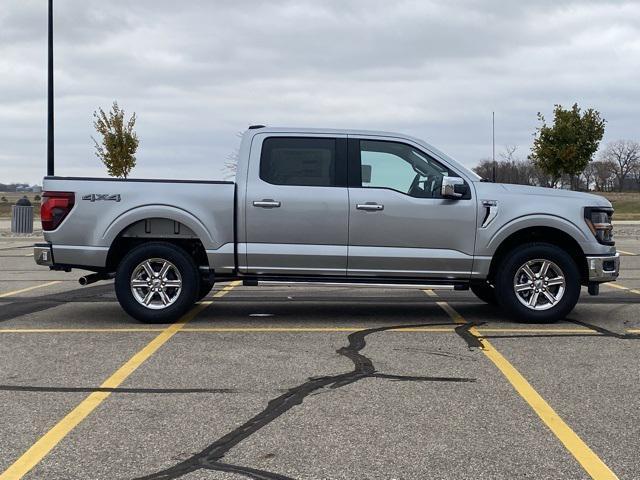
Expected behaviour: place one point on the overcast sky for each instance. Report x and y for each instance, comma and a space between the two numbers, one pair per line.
198, 72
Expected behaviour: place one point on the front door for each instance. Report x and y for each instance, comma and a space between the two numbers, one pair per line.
400, 226
297, 207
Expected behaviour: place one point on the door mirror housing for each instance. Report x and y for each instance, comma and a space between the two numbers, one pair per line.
453, 187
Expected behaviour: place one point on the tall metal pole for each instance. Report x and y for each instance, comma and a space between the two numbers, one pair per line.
50, 161
493, 143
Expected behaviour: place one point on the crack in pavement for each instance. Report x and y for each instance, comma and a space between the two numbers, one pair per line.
607, 333
30, 388
596, 332
209, 458
464, 332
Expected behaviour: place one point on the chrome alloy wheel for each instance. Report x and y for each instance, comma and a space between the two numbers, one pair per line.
539, 284
156, 283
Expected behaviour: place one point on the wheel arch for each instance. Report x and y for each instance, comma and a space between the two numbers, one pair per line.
128, 218
542, 234
153, 229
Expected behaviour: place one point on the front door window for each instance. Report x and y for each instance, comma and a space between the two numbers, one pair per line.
400, 167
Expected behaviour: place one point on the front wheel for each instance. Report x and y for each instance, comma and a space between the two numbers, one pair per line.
157, 282
538, 283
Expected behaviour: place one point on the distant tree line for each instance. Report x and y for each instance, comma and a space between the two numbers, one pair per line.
616, 169
18, 187
562, 156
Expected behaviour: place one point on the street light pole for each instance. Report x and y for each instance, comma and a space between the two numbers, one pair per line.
50, 161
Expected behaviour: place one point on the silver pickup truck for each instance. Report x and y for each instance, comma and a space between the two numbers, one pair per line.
322, 206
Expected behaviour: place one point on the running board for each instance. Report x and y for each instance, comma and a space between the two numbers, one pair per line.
421, 286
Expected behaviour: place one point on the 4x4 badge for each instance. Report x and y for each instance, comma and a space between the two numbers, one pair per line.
95, 197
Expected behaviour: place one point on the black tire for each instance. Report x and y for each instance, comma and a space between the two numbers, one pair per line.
506, 276
184, 297
206, 285
485, 292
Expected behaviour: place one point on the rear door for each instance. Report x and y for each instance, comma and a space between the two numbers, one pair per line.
297, 205
400, 226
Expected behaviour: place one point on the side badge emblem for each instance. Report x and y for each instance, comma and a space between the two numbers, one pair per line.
96, 197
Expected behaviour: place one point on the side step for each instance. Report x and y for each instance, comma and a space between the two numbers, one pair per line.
347, 283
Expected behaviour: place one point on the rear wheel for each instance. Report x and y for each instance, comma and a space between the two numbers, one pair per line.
157, 282
538, 283
485, 292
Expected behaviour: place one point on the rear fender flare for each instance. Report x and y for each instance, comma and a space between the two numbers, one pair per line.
130, 217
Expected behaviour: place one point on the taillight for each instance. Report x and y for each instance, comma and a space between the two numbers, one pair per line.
55, 207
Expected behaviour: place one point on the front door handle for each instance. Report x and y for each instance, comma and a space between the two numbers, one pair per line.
267, 203
370, 206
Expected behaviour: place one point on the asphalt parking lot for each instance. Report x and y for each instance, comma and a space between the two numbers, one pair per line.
324, 383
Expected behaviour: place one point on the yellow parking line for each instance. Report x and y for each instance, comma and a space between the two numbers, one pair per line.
537, 330
309, 329
615, 285
50, 439
628, 253
226, 288
590, 462
16, 292
620, 287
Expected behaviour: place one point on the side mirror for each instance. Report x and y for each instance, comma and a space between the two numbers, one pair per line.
453, 187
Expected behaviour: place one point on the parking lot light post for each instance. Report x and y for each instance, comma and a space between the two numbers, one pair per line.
50, 161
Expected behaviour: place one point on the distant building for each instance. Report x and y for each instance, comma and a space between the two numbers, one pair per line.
24, 188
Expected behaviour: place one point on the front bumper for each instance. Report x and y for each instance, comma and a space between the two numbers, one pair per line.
42, 254
603, 269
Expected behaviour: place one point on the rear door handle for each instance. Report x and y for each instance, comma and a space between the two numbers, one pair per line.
266, 203
370, 206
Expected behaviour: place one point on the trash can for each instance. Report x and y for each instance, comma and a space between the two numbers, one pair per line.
22, 216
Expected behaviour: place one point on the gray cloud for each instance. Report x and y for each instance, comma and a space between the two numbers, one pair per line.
196, 72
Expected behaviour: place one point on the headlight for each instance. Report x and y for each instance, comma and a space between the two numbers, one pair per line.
599, 221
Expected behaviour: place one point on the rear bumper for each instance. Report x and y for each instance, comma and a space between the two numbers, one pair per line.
603, 268
83, 256
42, 254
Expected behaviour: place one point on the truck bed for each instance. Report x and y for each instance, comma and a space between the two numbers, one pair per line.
106, 207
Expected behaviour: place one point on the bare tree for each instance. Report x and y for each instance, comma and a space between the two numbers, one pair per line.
636, 175
588, 176
624, 155
484, 168
603, 175
509, 153
231, 161
510, 169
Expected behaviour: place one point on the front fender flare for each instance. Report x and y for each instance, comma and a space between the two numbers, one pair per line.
537, 220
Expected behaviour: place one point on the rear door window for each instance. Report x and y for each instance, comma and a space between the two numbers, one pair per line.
299, 161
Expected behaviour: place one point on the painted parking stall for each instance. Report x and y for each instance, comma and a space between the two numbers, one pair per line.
292, 382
